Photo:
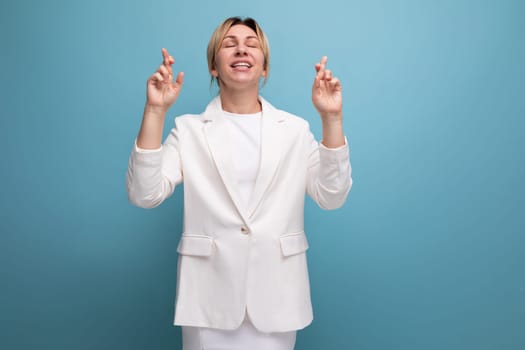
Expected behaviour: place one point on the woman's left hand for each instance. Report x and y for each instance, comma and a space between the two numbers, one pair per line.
327, 94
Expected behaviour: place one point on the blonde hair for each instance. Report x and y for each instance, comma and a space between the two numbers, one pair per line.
220, 32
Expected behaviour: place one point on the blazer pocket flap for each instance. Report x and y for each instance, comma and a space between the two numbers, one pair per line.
195, 245
294, 243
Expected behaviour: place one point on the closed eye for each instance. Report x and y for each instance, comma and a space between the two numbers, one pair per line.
229, 43
252, 43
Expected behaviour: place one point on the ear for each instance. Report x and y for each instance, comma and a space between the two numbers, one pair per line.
214, 73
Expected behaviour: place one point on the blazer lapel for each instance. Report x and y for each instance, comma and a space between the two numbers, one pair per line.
216, 132
272, 133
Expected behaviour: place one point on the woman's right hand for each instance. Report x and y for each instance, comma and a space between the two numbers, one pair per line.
162, 91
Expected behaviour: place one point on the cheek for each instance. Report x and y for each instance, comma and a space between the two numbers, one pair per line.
217, 66
219, 59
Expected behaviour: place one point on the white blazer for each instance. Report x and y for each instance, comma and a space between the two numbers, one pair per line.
235, 259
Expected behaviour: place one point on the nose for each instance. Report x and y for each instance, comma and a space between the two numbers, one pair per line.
241, 49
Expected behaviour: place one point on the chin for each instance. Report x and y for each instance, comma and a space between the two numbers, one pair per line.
242, 84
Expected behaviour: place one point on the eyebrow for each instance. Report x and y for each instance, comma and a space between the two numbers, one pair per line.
236, 38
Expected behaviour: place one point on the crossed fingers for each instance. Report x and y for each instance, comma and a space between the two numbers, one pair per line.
324, 75
165, 71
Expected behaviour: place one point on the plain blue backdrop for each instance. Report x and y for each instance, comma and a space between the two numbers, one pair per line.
429, 250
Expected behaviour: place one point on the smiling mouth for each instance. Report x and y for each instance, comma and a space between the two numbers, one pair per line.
241, 64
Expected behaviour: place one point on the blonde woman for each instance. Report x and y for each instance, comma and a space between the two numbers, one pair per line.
246, 167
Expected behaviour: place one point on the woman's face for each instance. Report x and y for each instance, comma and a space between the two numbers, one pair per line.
239, 63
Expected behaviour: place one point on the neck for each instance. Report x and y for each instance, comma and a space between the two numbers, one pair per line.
245, 101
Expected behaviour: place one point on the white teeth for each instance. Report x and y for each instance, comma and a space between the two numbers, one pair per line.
241, 64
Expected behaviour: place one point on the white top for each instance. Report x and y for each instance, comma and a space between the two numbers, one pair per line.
245, 140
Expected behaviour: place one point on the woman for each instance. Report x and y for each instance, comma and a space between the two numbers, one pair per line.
246, 166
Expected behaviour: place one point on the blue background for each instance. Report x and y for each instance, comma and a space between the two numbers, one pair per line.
429, 250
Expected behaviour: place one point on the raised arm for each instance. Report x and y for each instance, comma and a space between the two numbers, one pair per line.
329, 171
162, 92
153, 173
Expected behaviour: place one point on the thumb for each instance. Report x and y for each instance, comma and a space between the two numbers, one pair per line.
180, 78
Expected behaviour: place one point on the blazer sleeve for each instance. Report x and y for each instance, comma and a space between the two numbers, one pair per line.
153, 174
329, 174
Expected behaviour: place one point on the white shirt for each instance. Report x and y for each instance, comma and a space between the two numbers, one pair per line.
245, 139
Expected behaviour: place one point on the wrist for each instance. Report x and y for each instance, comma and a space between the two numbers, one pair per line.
155, 110
333, 139
332, 118
333, 134
332, 121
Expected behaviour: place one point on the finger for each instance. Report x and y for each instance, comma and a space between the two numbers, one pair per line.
167, 60
323, 62
327, 75
165, 55
180, 78
156, 77
317, 81
334, 86
335, 83
164, 72
322, 66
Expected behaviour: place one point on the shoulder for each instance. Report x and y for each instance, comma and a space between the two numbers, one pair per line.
187, 120
186, 125
191, 120
294, 119
284, 116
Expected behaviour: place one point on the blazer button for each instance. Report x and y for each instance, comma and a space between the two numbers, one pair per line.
245, 230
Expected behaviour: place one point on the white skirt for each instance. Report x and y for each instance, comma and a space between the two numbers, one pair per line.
243, 338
